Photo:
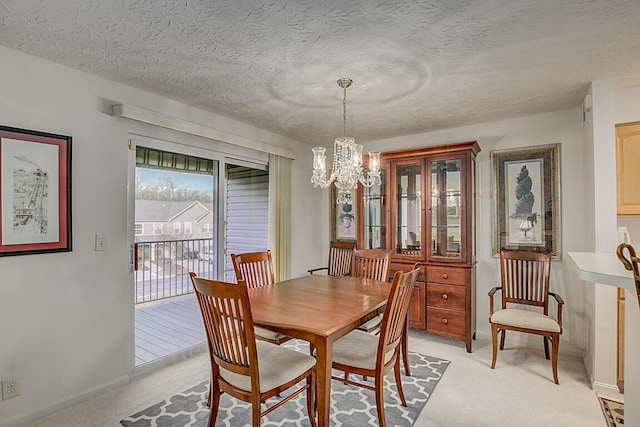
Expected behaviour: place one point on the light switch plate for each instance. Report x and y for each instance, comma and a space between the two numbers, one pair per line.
102, 242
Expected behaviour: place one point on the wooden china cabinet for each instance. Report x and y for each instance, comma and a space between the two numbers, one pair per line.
424, 212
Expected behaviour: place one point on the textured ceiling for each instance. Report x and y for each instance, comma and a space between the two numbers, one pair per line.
417, 66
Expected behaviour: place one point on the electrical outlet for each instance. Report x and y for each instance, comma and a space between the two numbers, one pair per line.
10, 388
102, 242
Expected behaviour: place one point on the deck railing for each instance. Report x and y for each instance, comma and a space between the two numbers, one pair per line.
162, 267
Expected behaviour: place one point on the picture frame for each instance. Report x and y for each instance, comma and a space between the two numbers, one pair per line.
35, 192
526, 188
343, 217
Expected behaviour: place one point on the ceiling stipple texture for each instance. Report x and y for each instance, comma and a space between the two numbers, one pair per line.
417, 66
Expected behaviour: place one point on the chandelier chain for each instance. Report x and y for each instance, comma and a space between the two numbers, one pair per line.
344, 112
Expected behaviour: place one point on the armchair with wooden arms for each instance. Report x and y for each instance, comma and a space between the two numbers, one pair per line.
525, 282
340, 259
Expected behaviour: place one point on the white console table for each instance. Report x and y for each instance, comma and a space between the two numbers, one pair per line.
607, 269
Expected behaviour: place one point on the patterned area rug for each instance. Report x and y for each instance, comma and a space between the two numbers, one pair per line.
613, 411
350, 406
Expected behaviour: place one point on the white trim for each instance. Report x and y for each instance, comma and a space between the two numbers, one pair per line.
607, 390
67, 402
173, 123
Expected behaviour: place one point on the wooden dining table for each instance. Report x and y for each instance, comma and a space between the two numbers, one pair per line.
320, 310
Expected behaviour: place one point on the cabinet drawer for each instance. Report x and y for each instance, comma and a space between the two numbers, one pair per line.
451, 297
456, 276
404, 267
447, 321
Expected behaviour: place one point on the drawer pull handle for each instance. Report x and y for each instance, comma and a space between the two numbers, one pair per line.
445, 296
445, 276
445, 321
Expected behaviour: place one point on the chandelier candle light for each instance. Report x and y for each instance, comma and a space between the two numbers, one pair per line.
347, 161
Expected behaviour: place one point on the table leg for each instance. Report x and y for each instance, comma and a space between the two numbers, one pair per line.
324, 352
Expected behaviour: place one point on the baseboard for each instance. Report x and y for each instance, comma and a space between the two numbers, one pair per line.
37, 413
607, 390
67, 402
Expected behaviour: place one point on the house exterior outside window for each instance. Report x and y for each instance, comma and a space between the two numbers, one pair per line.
177, 227
207, 227
157, 228
188, 228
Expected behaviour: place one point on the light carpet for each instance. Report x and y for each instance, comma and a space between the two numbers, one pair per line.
350, 406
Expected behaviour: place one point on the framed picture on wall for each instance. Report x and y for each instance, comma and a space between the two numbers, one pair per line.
343, 217
35, 192
526, 188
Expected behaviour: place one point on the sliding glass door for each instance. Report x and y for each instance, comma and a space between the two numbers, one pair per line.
189, 217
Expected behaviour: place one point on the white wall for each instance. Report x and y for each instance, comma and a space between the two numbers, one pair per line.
561, 127
68, 318
602, 203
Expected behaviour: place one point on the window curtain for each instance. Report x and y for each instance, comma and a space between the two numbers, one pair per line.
280, 214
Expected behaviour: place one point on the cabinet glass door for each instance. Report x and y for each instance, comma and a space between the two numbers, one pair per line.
375, 214
408, 191
446, 208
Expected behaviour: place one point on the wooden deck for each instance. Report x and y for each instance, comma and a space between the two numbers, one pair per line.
166, 327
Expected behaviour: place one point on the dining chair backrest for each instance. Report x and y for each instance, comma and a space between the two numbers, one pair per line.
395, 313
228, 325
371, 264
255, 268
525, 278
340, 258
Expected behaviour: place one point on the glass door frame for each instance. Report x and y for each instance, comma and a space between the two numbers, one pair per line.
219, 226
464, 225
393, 215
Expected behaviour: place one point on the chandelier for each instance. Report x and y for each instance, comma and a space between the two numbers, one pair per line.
347, 160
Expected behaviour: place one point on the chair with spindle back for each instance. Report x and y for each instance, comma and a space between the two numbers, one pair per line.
371, 264
525, 282
256, 269
242, 367
374, 264
374, 356
340, 259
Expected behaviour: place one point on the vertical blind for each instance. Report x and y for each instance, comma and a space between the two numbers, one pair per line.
247, 213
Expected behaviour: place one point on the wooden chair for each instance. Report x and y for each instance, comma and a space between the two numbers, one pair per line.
241, 366
371, 355
256, 269
630, 263
525, 282
371, 264
374, 264
340, 259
